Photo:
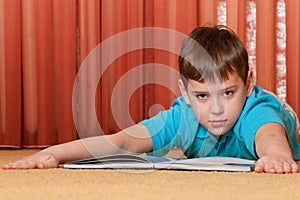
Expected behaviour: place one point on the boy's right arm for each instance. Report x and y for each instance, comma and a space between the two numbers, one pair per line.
135, 139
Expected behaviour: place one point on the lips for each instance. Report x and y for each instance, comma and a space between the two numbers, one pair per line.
217, 123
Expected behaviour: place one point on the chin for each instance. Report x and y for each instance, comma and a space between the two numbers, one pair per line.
217, 134
217, 131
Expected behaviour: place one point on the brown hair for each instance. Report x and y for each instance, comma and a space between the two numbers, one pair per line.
211, 52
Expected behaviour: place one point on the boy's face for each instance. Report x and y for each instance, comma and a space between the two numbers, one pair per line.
217, 105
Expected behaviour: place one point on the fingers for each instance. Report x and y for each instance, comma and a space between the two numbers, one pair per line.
276, 167
259, 166
295, 168
22, 164
38, 161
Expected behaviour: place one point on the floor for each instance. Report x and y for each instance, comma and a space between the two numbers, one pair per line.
138, 184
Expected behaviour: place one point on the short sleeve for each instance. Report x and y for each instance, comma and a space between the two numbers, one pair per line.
258, 112
173, 127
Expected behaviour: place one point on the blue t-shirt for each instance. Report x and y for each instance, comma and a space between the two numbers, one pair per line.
178, 127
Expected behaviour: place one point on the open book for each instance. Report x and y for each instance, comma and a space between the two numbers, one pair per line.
128, 161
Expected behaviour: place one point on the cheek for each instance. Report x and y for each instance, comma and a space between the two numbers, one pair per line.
200, 111
235, 108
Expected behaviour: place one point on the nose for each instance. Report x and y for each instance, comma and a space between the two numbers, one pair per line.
217, 106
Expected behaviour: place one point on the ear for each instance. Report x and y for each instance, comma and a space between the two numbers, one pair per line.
249, 83
183, 91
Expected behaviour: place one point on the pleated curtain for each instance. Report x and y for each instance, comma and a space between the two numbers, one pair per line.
44, 44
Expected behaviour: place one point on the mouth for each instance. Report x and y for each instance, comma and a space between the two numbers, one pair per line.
217, 123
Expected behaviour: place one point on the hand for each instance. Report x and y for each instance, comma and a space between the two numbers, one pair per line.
274, 150
39, 160
276, 164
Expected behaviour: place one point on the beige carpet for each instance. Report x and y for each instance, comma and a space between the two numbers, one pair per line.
109, 184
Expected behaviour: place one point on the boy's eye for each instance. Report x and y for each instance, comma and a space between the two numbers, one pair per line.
228, 93
201, 96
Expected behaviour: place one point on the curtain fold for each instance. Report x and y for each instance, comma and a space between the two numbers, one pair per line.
293, 54
64, 67
39, 64
44, 44
10, 73
89, 22
48, 60
169, 16
265, 48
236, 17
37, 51
207, 12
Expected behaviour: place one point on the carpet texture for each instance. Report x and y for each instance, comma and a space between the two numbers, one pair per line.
140, 184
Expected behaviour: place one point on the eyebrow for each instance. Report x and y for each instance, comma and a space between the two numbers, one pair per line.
231, 87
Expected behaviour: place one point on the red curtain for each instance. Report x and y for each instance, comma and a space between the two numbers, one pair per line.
44, 44
38, 66
293, 54
10, 73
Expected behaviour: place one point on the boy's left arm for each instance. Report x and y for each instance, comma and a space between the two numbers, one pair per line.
275, 155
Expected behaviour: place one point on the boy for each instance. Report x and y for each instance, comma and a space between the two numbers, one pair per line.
220, 113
